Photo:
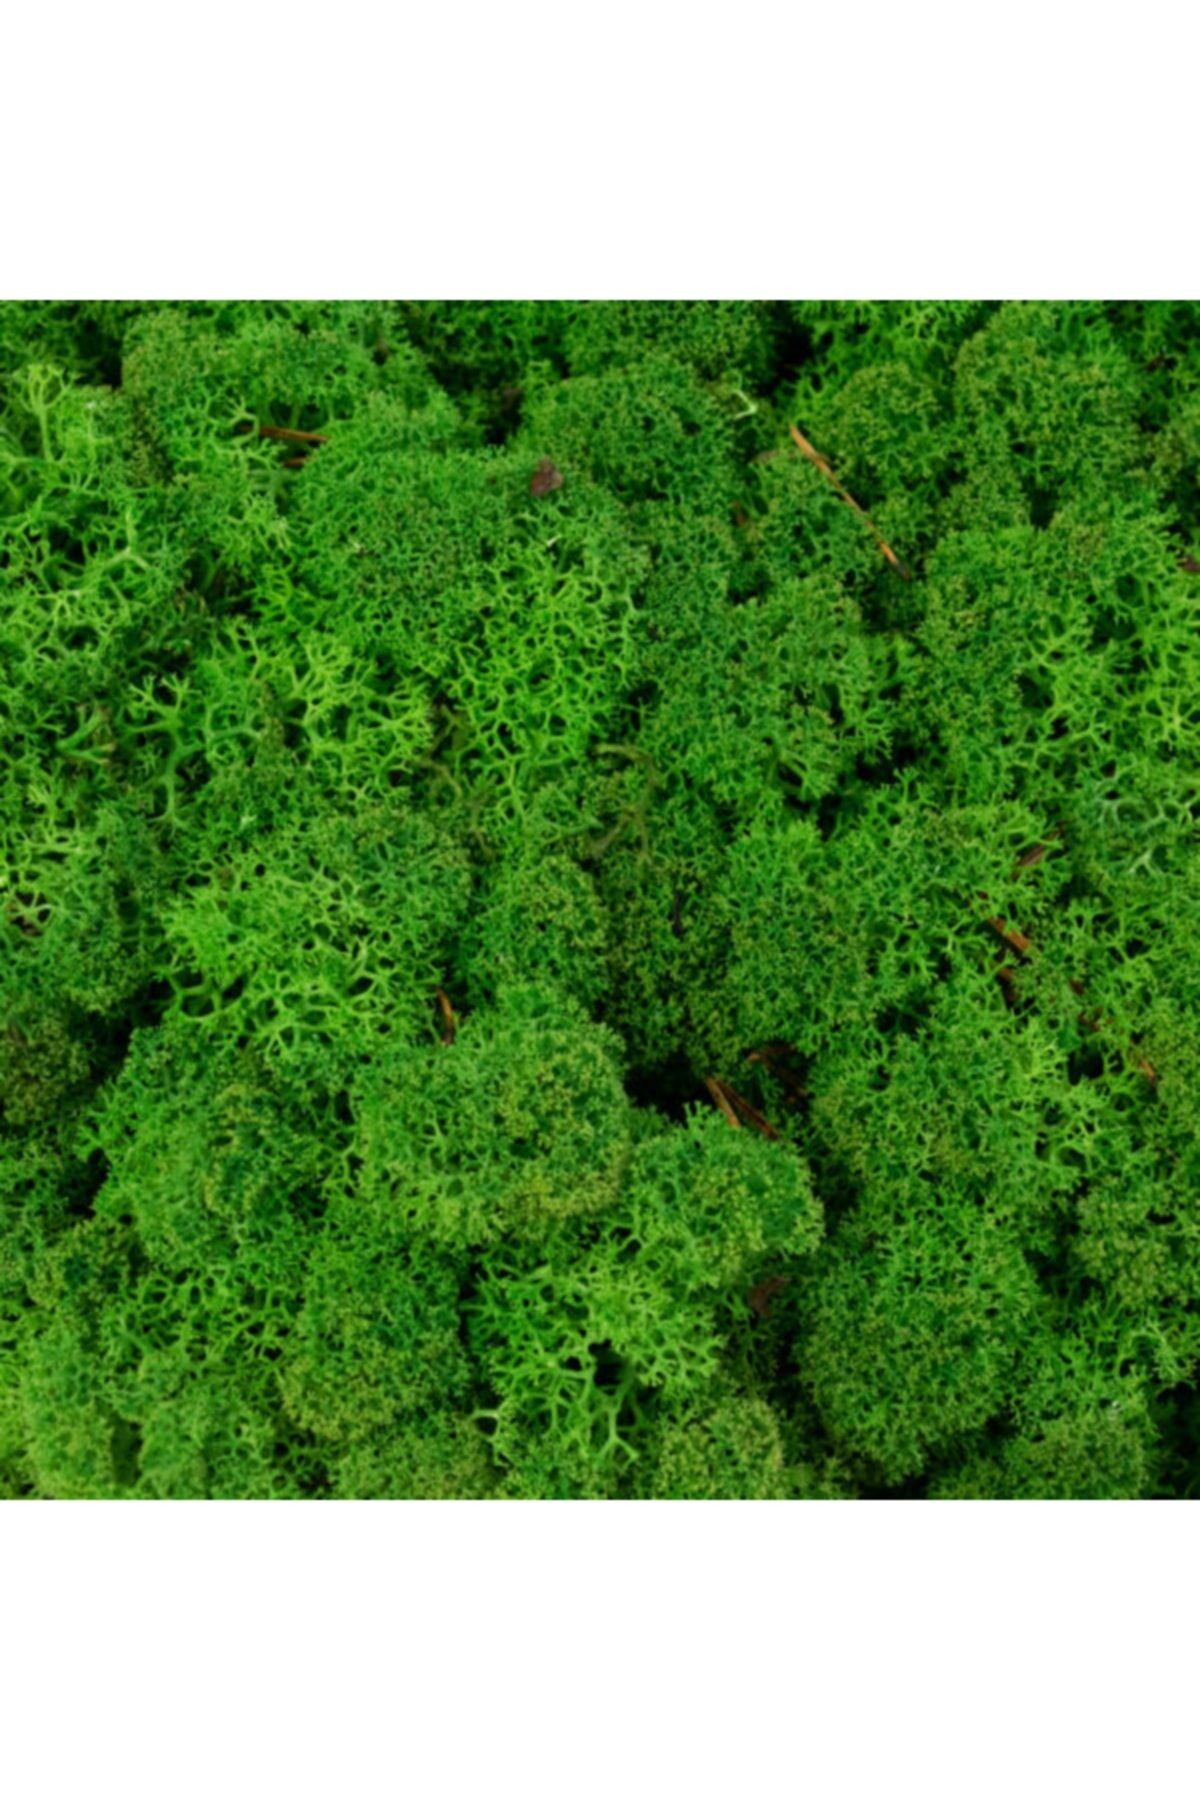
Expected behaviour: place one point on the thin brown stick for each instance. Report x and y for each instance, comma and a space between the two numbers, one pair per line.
1032, 857
448, 1019
291, 437
777, 1056
749, 1113
718, 1093
818, 462
1087, 1021
1011, 936
294, 462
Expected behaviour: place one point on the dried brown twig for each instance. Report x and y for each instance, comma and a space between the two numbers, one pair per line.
780, 1058
732, 1104
1014, 938
449, 1023
718, 1093
1030, 858
1092, 1020
818, 462
291, 437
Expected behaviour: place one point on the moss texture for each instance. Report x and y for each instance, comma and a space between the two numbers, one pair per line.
562, 938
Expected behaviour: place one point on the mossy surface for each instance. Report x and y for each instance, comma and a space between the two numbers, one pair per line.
559, 939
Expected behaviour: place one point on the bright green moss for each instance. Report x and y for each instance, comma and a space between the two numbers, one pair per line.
203, 1152
585, 1337
440, 1456
323, 935
436, 739
486, 353
1107, 1454
576, 1342
538, 919
650, 432
917, 1336
720, 1200
1049, 390
723, 340
521, 1122
377, 1337
734, 1452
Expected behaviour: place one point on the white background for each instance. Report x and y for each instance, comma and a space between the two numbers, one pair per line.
669, 1651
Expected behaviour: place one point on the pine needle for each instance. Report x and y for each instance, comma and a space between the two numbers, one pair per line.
291, 437
818, 462
718, 1093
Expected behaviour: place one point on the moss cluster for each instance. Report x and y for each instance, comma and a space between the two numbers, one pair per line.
560, 937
